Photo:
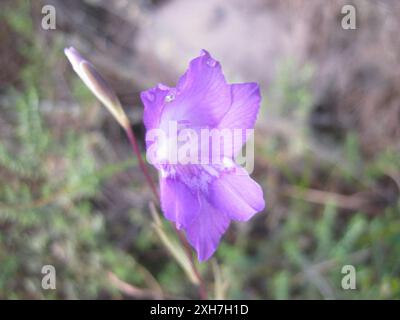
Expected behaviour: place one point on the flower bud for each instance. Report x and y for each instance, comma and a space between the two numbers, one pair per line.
96, 83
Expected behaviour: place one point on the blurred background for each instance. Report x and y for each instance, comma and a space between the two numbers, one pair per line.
327, 148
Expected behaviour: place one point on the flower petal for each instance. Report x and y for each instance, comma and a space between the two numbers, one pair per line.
206, 230
202, 97
178, 203
243, 112
153, 100
237, 194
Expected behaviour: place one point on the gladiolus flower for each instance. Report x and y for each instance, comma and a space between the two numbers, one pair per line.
202, 198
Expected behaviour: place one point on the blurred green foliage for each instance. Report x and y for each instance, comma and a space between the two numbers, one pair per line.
296, 250
46, 191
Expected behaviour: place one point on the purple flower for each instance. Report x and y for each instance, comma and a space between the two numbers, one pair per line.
202, 198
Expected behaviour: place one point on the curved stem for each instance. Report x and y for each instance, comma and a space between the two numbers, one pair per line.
188, 251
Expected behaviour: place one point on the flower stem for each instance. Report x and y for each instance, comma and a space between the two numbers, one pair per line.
136, 151
185, 244
202, 288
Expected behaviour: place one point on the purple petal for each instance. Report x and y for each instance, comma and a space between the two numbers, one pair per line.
153, 100
205, 232
189, 209
178, 203
243, 111
202, 96
237, 194
245, 105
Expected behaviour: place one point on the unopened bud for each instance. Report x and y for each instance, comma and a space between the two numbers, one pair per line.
96, 83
